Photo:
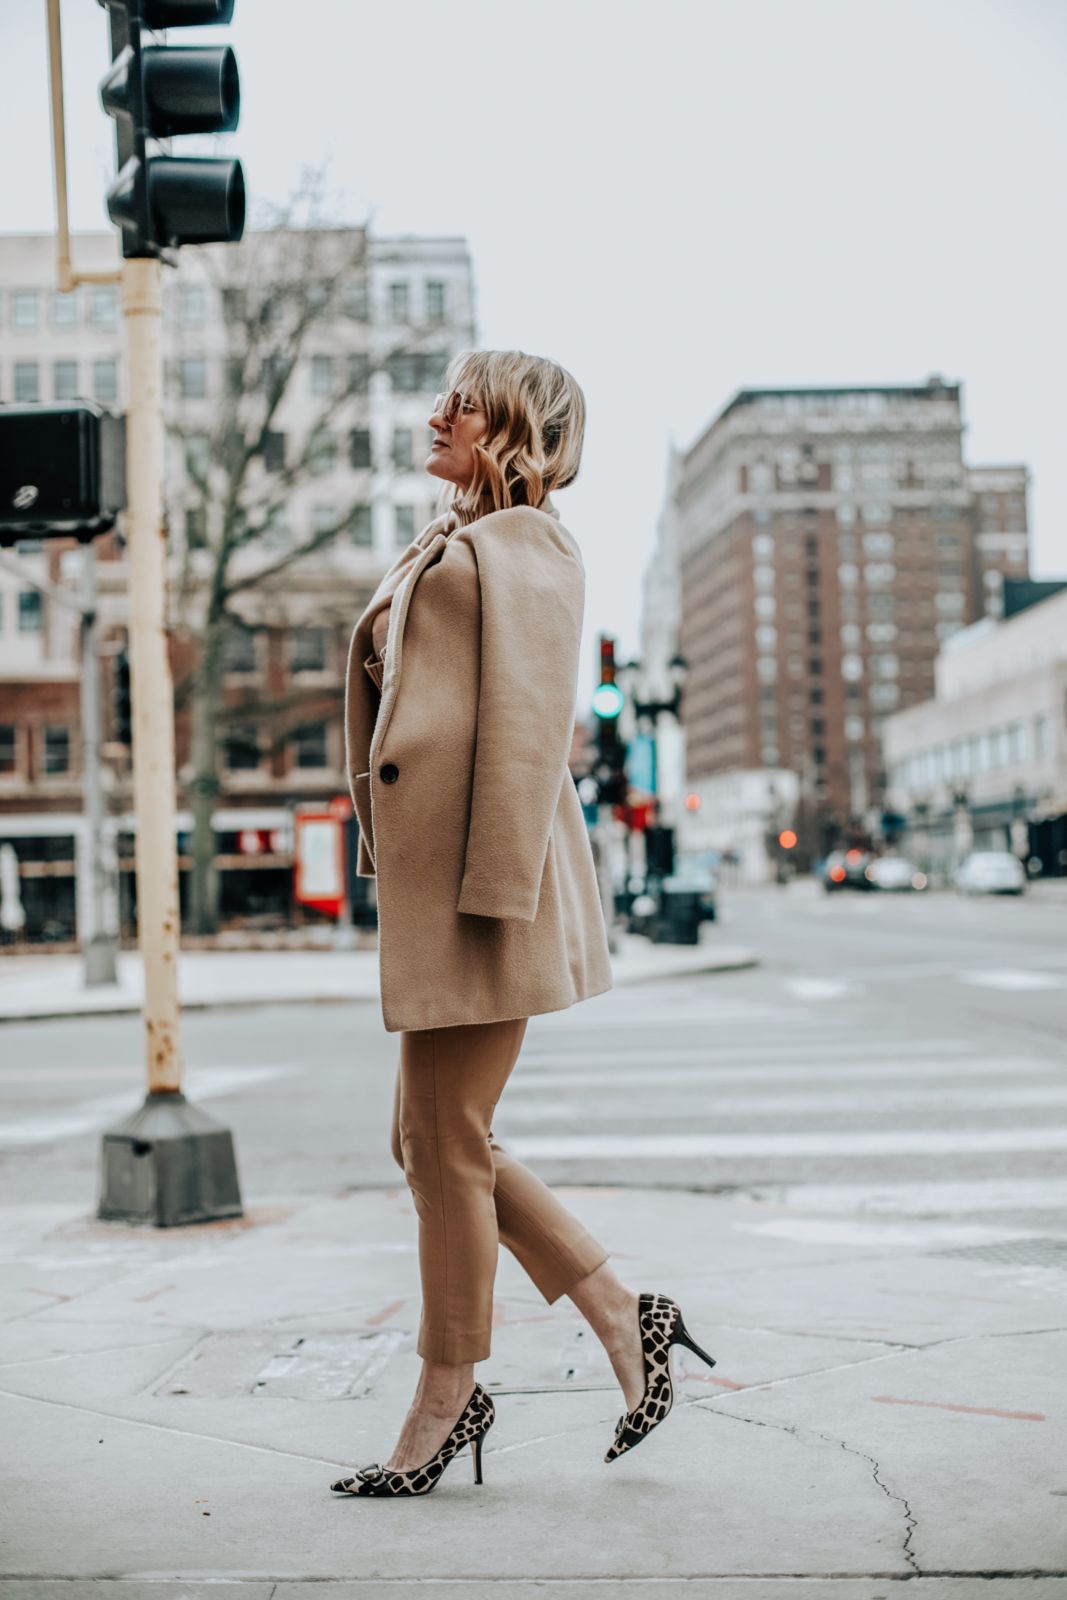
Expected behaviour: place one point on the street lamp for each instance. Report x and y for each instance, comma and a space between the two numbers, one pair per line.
678, 670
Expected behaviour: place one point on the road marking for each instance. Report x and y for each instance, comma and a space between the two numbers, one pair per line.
902, 1141
721, 1052
928, 1099
893, 1072
821, 988
1010, 979
923, 1198
199, 1083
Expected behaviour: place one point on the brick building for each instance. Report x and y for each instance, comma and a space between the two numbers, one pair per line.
405, 309
829, 541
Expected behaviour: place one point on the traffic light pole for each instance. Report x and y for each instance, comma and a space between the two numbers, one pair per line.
168, 1162
158, 920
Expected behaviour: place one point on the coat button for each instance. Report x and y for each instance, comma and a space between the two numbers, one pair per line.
389, 773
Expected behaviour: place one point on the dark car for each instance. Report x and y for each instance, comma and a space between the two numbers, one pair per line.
846, 869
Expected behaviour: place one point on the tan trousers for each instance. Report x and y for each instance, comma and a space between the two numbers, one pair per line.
469, 1193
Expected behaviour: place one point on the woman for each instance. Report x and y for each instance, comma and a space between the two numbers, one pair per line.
459, 712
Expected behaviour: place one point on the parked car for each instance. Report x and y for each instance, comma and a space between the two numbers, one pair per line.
846, 869
991, 872
896, 874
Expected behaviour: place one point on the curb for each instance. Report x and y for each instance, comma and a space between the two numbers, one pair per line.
740, 961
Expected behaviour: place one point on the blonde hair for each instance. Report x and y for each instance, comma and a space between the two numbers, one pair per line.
533, 440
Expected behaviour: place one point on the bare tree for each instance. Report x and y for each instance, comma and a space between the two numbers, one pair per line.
297, 279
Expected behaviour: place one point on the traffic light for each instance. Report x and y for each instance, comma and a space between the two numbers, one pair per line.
62, 471
611, 752
158, 91
121, 702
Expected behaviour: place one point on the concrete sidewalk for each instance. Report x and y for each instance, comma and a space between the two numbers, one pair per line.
35, 987
886, 1417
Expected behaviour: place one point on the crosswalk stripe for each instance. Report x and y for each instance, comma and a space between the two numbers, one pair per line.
904, 1141
722, 1051
913, 1070
1011, 980
930, 1099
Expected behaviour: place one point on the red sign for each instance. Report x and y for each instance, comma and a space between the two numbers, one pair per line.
319, 861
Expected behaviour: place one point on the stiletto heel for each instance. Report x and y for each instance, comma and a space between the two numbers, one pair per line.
660, 1323
475, 1420
682, 1335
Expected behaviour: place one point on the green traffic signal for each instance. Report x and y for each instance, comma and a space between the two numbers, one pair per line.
608, 700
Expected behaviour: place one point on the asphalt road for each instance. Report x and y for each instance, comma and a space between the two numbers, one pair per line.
909, 1052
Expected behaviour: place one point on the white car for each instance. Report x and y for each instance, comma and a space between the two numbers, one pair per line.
991, 872
894, 872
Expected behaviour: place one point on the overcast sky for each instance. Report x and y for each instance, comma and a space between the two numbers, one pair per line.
674, 199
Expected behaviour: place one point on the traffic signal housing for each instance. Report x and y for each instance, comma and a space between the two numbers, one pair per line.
608, 701
62, 471
155, 92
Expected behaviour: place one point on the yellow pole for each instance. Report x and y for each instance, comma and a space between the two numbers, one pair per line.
66, 277
158, 921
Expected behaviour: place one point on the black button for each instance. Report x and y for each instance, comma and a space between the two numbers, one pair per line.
389, 773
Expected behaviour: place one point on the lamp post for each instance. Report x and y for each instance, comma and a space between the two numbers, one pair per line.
649, 711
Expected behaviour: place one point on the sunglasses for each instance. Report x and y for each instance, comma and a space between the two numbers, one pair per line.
448, 406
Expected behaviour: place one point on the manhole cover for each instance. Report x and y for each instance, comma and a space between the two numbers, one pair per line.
1014, 1252
289, 1366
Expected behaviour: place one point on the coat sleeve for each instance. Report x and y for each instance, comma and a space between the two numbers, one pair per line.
532, 592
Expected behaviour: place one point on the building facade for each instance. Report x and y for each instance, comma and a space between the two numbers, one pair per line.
983, 763
343, 450
828, 547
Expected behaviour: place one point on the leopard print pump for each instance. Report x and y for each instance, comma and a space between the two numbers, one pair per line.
660, 1321
475, 1420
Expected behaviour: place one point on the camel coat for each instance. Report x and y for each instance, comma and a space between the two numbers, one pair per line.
488, 904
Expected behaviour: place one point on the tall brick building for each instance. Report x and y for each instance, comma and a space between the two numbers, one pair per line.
829, 541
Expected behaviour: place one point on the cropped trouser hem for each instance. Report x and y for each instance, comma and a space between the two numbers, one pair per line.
470, 1194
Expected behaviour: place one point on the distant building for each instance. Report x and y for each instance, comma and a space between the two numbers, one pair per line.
983, 763
829, 542
406, 308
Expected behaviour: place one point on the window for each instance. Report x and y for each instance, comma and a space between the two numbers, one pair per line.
764, 605
355, 300
322, 375
884, 694
323, 517
359, 451
885, 666
435, 302
763, 546
235, 375
404, 371
881, 632
197, 452
307, 650
359, 372
1039, 738
64, 380
31, 615
879, 572
847, 574
65, 310
233, 304
9, 750
27, 389
403, 449
850, 633
815, 666
239, 648
104, 306
25, 308
56, 750
876, 511
105, 381
405, 524
766, 637
362, 525
949, 602
854, 729
398, 302
192, 303
322, 454
851, 667
878, 544
192, 377
241, 747
763, 577
195, 527
274, 451
309, 745
846, 516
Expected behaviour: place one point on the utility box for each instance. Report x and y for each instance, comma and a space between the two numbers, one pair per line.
62, 471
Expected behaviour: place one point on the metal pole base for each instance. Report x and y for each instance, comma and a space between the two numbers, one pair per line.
167, 1164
